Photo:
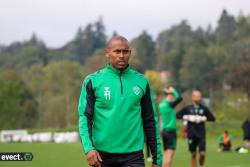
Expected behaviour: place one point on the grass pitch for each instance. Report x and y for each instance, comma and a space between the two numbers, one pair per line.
71, 155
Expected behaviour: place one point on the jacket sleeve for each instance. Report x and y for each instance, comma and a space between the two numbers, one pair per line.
219, 140
182, 112
150, 125
86, 111
177, 100
209, 115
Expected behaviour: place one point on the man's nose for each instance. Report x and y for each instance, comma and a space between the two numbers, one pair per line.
121, 54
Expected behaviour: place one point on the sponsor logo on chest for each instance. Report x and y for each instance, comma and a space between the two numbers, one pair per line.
197, 111
107, 94
136, 90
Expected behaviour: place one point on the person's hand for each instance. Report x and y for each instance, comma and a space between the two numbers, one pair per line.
154, 165
200, 119
185, 117
197, 119
190, 118
171, 89
94, 158
203, 118
166, 90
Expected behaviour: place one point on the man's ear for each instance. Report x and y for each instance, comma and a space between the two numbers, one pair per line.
106, 52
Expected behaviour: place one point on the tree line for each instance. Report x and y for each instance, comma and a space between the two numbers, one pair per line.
39, 86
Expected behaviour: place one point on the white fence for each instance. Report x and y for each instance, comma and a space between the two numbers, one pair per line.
7, 136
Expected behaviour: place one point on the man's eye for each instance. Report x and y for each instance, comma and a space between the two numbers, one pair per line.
125, 51
117, 51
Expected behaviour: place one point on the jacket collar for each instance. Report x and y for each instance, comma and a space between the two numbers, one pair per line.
116, 71
196, 105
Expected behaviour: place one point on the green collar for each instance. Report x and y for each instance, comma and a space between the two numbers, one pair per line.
116, 71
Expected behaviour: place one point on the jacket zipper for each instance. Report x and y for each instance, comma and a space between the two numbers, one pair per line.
120, 76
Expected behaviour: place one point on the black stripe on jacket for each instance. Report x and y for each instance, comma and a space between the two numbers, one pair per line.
147, 114
89, 110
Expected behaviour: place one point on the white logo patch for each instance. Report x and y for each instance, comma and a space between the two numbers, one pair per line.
107, 93
136, 90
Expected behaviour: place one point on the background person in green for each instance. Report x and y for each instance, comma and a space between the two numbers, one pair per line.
167, 112
116, 108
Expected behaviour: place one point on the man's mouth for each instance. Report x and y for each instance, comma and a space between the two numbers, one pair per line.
121, 63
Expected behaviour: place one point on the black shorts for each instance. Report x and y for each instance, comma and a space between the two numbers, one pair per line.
169, 139
194, 142
134, 159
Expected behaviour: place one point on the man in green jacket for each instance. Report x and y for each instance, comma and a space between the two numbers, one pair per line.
116, 108
167, 112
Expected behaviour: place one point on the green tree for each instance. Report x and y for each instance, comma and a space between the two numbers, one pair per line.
155, 81
84, 43
114, 34
94, 63
100, 36
217, 55
144, 48
173, 63
179, 35
61, 85
195, 69
34, 78
87, 41
171, 46
201, 37
237, 66
226, 27
19, 55
242, 26
17, 106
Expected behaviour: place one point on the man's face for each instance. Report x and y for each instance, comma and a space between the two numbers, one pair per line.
118, 54
196, 97
170, 97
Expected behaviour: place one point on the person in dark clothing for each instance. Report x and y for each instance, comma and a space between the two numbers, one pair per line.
196, 114
246, 133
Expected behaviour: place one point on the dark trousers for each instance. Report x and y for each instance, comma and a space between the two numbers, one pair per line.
134, 159
226, 146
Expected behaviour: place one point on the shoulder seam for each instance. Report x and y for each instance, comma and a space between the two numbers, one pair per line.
139, 74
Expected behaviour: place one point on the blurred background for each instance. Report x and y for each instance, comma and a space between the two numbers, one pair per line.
48, 47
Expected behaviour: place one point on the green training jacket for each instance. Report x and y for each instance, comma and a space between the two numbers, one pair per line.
167, 112
115, 110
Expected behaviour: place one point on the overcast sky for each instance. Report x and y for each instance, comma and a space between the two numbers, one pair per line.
56, 21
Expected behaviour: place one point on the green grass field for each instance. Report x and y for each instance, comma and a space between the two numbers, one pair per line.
71, 155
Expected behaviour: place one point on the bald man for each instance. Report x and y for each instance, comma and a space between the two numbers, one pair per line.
116, 108
196, 114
